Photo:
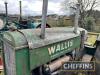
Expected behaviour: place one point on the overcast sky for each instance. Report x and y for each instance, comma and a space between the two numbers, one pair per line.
33, 7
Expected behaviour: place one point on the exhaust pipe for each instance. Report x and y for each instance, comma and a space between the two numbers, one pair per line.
53, 66
87, 58
44, 14
20, 7
77, 18
6, 9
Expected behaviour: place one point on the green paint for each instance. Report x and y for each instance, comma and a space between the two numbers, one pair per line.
42, 55
60, 46
27, 60
22, 62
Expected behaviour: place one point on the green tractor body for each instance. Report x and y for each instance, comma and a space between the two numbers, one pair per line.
24, 50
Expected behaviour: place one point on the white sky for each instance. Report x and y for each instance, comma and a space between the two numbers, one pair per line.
33, 7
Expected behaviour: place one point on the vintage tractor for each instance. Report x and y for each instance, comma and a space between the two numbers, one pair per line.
40, 51
22, 23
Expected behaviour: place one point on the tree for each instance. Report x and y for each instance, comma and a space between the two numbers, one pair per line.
85, 5
89, 22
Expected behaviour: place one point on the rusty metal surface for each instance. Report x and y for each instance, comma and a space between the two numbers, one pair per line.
87, 58
58, 63
32, 36
9, 59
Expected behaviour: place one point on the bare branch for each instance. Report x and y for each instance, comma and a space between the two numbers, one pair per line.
86, 8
